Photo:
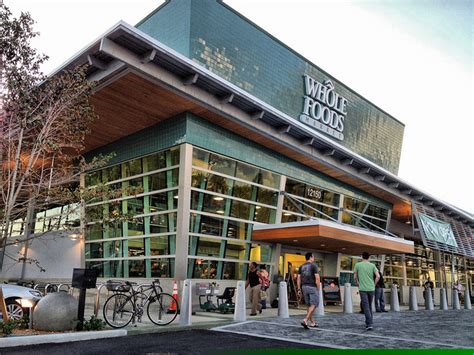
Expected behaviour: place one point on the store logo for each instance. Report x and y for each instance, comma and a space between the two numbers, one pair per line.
323, 108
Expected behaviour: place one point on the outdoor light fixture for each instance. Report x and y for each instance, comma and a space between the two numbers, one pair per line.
220, 211
74, 236
218, 198
286, 214
258, 207
176, 196
295, 240
323, 245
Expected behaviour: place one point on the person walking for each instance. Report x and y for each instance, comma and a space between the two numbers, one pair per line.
364, 277
308, 285
253, 280
379, 299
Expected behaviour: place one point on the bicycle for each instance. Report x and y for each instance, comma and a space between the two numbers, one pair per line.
127, 303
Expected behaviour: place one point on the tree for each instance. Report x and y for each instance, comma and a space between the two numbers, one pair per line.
43, 125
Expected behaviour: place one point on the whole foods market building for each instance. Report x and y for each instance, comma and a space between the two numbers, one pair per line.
242, 151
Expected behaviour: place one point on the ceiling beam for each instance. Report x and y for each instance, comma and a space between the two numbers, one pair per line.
96, 63
407, 191
191, 79
347, 161
227, 99
308, 141
258, 115
364, 171
284, 129
380, 178
148, 56
394, 185
329, 152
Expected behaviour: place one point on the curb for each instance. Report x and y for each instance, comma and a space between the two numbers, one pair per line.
59, 338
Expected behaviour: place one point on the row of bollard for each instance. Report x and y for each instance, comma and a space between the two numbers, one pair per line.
240, 313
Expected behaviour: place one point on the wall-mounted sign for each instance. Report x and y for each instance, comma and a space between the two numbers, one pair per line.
323, 108
437, 231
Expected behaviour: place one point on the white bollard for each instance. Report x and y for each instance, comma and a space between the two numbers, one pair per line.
456, 304
185, 313
283, 311
347, 298
320, 309
443, 301
240, 312
429, 299
413, 300
394, 304
467, 299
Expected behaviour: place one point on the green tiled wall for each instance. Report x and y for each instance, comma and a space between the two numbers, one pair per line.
152, 139
227, 44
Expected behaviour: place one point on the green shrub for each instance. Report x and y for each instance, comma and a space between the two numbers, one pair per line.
7, 328
94, 324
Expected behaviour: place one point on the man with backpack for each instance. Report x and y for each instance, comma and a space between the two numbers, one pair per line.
308, 284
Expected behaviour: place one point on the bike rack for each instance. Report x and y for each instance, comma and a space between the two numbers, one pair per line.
66, 285
97, 299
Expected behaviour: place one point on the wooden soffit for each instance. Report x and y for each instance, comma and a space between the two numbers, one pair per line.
330, 236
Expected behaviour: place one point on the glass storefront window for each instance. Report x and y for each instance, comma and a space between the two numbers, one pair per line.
234, 250
234, 271
133, 167
136, 247
94, 232
111, 173
160, 245
113, 249
127, 229
136, 268
94, 250
162, 268
204, 269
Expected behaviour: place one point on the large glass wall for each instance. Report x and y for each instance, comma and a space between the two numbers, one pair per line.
131, 219
304, 200
228, 198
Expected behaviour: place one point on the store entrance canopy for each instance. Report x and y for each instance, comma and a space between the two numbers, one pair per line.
331, 236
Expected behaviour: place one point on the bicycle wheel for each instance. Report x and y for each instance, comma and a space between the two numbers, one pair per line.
118, 310
162, 310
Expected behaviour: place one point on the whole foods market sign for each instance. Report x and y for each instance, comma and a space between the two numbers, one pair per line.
323, 108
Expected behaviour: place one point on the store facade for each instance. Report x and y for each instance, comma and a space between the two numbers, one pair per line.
225, 137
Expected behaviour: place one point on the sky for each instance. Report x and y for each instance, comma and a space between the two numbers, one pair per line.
412, 58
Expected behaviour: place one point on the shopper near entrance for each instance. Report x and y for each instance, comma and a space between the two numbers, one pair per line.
379, 299
308, 284
364, 277
265, 284
253, 280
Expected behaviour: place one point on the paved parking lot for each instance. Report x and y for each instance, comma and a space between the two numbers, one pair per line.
394, 330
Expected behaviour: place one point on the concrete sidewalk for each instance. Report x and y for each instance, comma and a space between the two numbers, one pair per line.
453, 329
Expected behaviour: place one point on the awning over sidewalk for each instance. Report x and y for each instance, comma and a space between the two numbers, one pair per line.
330, 236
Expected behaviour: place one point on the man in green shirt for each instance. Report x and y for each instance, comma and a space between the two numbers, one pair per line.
364, 275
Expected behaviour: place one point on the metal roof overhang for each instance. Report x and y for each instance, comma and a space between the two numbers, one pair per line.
104, 65
330, 236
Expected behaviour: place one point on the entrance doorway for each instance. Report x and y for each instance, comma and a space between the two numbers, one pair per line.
291, 262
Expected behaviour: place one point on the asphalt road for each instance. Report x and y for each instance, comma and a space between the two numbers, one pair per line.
196, 341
